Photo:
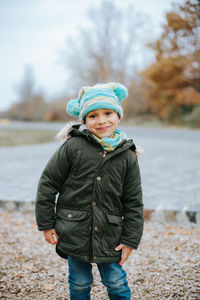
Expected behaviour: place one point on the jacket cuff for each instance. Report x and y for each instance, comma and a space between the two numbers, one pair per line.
131, 245
126, 245
43, 228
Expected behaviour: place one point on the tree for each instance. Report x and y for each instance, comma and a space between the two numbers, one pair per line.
106, 50
31, 105
173, 81
26, 87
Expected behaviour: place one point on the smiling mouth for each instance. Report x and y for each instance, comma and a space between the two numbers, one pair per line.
103, 128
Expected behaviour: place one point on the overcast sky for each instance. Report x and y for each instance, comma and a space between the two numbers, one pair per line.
34, 32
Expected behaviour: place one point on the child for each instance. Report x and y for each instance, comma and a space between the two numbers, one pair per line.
98, 216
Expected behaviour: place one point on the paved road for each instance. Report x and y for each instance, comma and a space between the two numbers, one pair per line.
170, 168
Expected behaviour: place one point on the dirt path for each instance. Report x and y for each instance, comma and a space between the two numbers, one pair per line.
166, 265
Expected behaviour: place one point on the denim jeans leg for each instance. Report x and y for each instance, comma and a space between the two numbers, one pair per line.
80, 279
114, 278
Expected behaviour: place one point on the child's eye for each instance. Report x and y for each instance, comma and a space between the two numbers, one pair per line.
109, 113
92, 116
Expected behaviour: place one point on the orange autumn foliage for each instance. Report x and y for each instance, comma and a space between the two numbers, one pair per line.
173, 81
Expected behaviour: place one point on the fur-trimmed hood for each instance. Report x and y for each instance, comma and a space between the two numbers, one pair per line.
64, 134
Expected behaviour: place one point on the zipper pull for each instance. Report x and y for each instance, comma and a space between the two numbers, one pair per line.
104, 154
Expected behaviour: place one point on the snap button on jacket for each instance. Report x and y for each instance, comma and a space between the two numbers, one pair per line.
99, 203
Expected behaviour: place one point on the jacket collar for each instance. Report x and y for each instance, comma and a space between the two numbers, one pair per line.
76, 129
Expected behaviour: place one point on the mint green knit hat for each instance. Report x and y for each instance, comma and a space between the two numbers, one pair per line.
108, 96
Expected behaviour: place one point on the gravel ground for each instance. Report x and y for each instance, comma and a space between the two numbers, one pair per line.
165, 266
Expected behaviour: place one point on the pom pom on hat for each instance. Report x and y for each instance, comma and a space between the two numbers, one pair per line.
119, 89
108, 95
73, 107
121, 92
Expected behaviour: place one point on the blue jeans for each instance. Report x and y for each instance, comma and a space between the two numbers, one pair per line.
112, 276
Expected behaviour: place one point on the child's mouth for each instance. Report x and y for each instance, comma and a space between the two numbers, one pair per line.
102, 128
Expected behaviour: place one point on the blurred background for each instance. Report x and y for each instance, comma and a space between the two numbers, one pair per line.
49, 49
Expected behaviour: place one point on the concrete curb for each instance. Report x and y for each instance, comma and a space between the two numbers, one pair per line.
11, 205
157, 215
163, 216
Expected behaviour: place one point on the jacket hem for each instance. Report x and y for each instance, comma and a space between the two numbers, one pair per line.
86, 258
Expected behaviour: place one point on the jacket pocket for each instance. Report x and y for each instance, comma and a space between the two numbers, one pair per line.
70, 225
112, 231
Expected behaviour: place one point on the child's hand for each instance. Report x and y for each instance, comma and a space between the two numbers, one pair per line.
125, 252
49, 236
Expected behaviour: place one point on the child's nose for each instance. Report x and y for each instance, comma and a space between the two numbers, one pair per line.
101, 119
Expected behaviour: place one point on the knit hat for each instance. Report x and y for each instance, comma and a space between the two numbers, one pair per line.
108, 96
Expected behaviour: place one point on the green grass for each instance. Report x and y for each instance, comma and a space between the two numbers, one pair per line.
17, 137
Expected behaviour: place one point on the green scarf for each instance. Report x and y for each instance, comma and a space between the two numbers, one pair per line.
109, 144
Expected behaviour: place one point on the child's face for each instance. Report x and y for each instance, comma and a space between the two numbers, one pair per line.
102, 122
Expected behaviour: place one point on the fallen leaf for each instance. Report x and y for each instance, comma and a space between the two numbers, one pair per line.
34, 225
48, 287
4, 214
21, 275
16, 223
170, 233
183, 231
182, 243
167, 227
144, 263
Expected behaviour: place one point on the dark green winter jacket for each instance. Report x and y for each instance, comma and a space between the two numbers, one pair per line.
99, 203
